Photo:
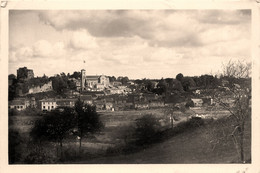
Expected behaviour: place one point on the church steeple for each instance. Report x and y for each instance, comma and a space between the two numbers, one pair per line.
83, 78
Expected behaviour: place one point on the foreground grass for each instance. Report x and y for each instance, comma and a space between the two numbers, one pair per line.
192, 146
200, 145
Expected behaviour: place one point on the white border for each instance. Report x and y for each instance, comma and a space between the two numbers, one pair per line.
133, 4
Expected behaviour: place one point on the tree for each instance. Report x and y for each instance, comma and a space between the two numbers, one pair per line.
187, 83
88, 120
75, 75
59, 84
147, 128
112, 78
236, 69
179, 77
239, 99
161, 87
54, 126
124, 80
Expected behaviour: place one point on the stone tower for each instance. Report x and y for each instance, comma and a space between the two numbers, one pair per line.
83, 78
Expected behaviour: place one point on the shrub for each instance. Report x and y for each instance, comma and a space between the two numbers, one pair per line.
40, 155
14, 146
147, 129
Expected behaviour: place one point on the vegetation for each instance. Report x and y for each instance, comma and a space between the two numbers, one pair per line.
88, 120
14, 146
231, 92
147, 128
54, 126
239, 106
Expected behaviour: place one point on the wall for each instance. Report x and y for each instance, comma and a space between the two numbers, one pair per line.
44, 88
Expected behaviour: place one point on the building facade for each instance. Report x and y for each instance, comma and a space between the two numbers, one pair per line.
52, 103
99, 82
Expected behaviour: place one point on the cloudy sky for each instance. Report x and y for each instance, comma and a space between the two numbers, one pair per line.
133, 43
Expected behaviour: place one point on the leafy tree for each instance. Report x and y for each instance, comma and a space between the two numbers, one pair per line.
177, 86
75, 75
59, 84
112, 78
88, 120
11, 77
187, 83
206, 81
71, 85
54, 126
124, 80
162, 86
147, 128
179, 76
149, 85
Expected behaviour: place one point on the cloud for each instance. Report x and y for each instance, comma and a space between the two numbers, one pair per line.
159, 42
81, 39
163, 28
42, 48
224, 17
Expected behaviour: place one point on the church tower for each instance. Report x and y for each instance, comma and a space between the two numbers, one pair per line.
83, 78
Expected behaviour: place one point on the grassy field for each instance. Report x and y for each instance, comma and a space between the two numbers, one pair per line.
188, 147
193, 146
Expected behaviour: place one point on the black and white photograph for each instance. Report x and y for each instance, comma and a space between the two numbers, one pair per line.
130, 86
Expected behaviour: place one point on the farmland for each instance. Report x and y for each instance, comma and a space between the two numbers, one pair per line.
117, 125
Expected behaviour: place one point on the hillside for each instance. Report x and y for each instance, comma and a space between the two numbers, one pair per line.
188, 147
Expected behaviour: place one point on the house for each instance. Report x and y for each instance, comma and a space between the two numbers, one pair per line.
52, 103
197, 102
87, 99
116, 83
94, 94
108, 105
66, 102
100, 105
48, 104
207, 101
156, 103
22, 103
141, 105
19, 104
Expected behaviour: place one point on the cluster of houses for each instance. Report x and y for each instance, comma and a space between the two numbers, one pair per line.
103, 101
105, 95
106, 102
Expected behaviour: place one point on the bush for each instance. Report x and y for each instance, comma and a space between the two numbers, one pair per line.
12, 112
14, 146
147, 129
40, 155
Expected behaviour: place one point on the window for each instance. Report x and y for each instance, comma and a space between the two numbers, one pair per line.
21, 106
52, 107
18, 107
43, 107
49, 107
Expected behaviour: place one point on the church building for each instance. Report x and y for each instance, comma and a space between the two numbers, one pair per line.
98, 82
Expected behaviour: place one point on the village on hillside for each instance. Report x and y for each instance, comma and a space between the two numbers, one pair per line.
108, 93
